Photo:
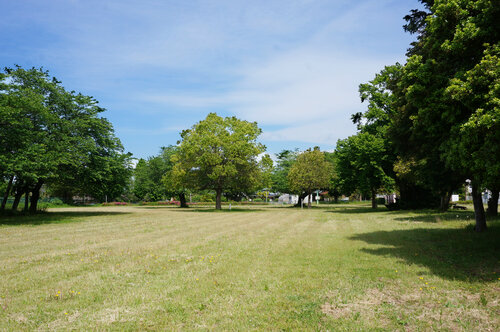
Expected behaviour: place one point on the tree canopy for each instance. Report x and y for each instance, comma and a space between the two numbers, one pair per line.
51, 136
361, 160
310, 172
446, 87
219, 154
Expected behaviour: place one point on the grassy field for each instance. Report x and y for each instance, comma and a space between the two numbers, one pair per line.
252, 268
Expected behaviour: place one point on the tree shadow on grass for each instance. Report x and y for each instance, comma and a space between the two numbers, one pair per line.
224, 210
449, 253
152, 207
358, 209
434, 217
53, 217
431, 216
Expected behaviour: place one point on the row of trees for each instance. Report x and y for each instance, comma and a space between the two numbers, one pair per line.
55, 138
223, 155
430, 124
434, 122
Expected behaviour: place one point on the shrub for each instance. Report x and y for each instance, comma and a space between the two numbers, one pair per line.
114, 203
161, 203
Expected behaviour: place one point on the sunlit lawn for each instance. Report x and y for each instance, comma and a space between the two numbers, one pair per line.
261, 268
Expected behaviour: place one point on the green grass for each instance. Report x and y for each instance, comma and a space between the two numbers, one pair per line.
342, 267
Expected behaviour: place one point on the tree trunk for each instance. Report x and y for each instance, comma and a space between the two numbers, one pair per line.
35, 196
493, 203
309, 199
26, 199
17, 199
444, 204
301, 198
336, 199
218, 199
374, 199
478, 208
67, 197
7, 192
182, 199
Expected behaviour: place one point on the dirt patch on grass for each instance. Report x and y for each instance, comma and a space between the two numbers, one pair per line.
19, 318
109, 316
392, 307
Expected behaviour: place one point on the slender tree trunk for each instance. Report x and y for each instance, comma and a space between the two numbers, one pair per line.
444, 204
35, 196
478, 208
182, 199
218, 199
493, 203
374, 199
309, 199
26, 199
7, 192
336, 199
17, 199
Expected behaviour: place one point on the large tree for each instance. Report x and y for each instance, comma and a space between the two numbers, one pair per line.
310, 172
435, 114
50, 135
475, 144
219, 154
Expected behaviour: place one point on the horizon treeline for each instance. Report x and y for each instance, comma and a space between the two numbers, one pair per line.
430, 125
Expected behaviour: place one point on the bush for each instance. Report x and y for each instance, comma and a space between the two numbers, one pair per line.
161, 203
114, 203
204, 197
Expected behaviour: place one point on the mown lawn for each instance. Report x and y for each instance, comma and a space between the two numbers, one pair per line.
252, 268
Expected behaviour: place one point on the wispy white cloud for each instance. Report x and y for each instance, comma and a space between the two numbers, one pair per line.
292, 66
317, 133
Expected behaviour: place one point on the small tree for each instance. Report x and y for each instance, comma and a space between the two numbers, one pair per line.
218, 154
311, 171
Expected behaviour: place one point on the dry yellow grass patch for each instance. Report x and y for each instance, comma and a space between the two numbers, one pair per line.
417, 308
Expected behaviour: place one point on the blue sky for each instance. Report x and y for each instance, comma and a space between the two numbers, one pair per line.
158, 67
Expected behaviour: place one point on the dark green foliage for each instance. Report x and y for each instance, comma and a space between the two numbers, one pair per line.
285, 160
447, 99
438, 114
148, 176
360, 165
53, 137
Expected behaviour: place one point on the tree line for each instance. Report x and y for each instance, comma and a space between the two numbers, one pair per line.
429, 125
434, 122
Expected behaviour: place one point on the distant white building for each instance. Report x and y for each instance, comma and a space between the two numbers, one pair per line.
288, 199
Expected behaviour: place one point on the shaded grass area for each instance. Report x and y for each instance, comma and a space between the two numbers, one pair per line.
255, 268
457, 253
20, 218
